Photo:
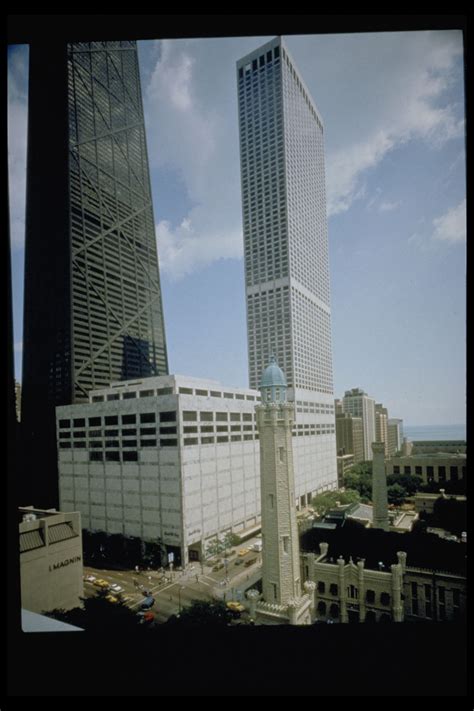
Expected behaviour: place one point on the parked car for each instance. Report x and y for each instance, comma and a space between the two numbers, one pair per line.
243, 552
116, 588
100, 583
111, 598
239, 561
217, 567
257, 546
90, 578
250, 561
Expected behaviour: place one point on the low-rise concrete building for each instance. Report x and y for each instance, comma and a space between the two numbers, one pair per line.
439, 468
174, 461
453, 446
51, 564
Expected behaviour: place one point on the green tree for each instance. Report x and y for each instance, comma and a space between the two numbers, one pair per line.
214, 547
203, 612
231, 540
99, 615
359, 478
396, 494
328, 500
449, 514
410, 482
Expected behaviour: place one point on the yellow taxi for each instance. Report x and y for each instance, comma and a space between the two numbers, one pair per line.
243, 552
111, 598
100, 583
235, 606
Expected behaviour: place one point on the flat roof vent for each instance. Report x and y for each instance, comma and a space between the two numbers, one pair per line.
29, 517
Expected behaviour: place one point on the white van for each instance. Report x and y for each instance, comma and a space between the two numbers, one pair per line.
257, 546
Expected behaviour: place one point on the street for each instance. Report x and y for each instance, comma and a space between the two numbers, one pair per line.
175, 590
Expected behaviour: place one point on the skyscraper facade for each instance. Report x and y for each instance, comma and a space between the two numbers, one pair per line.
358, 404
394, 435
286, 244
350, 436
93, 309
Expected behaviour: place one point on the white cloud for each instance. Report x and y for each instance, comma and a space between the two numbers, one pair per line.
388, 206
183, 250
346, 167
188, 137
410, 107
451, 227
183, 132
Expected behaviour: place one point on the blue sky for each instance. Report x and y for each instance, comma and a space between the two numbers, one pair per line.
393, 110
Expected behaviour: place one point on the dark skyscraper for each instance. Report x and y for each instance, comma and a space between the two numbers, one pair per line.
93, 308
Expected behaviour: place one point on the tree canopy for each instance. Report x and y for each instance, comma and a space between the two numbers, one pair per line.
203, 612
98, 615
329, 499
359, 478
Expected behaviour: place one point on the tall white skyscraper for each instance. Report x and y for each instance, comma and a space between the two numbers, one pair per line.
286, 250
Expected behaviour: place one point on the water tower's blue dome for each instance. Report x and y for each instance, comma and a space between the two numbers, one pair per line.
273, 376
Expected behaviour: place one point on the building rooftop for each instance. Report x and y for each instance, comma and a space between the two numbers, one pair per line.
430, 455
34, 622
423, 550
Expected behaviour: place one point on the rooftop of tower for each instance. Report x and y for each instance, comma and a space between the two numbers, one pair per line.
273, 376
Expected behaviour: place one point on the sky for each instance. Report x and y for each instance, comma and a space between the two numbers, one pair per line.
393, 112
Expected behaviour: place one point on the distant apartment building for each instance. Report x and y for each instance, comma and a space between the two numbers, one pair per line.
51, 565
395, 435
338, 407
173, 460
358, 404
439, 468
381, 425
350, 436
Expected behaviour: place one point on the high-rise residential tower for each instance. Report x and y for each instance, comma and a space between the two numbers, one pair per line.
93, 309
358, 404
286, 247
